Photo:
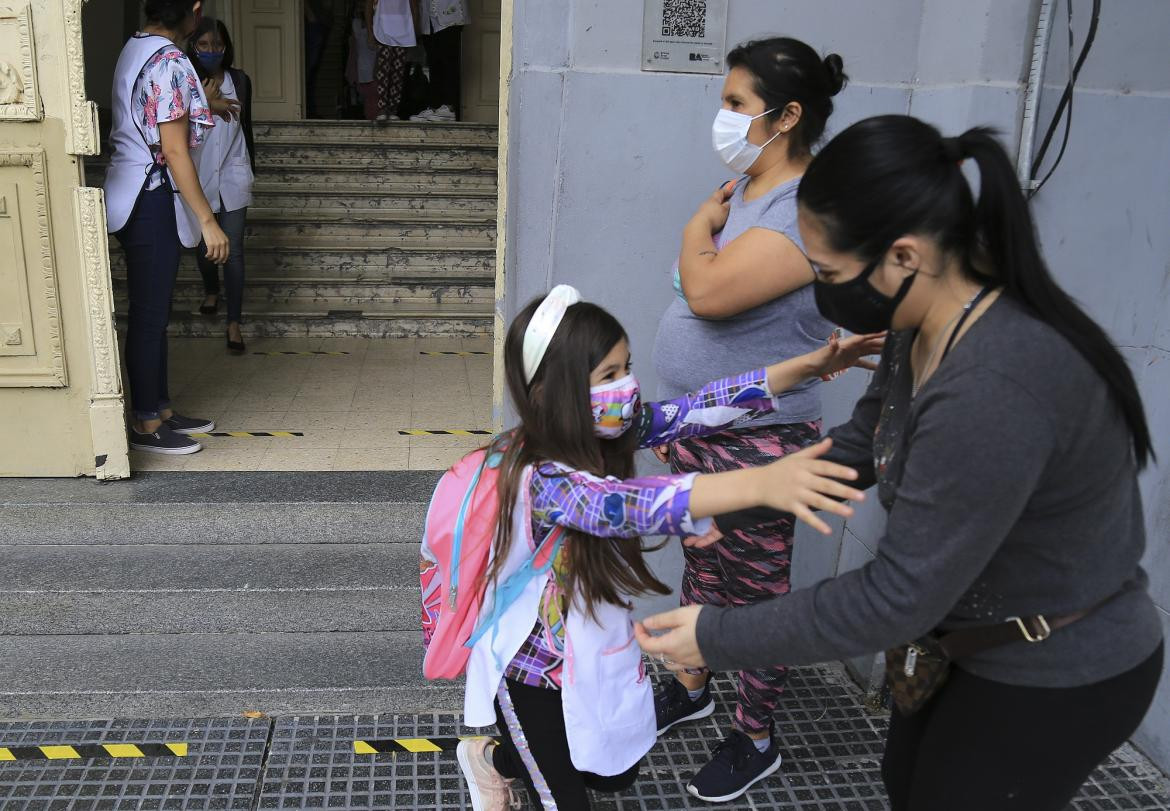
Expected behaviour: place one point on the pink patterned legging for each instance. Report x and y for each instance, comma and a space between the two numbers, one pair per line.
747, 566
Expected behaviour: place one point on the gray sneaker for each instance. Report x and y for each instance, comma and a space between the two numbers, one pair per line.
163, 440
189, 425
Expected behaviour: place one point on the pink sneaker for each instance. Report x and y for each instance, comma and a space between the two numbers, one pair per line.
489, 790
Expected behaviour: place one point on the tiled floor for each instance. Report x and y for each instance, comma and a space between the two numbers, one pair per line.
350, 407
832, 751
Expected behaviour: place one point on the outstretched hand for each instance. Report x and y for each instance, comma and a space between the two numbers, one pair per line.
677, 646
840, 354
803, 482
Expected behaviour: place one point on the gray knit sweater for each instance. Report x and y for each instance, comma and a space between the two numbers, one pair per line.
1011, 490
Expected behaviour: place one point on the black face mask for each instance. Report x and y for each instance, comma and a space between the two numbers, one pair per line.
857, 305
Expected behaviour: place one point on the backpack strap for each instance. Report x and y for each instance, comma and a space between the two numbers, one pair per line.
457, 535
510, 590
491, 459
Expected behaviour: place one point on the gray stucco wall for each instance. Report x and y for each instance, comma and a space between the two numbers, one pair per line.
1103, 220
607, 163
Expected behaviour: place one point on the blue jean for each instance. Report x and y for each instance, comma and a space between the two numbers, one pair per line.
232, 223
150, 239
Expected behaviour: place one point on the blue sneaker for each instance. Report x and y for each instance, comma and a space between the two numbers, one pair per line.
189, 425
163, 440
673, 705
735, 767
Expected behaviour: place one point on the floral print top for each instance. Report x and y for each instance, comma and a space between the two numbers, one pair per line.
167, 89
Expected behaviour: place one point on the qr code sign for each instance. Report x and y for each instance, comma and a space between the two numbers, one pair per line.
684, 18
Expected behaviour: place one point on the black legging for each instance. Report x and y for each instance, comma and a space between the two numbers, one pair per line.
983, 745
444, 50
541, 719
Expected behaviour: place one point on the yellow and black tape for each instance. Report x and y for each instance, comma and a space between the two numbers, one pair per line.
414, 746
248, 434
419, 432
300, 353
456, 354
93, 751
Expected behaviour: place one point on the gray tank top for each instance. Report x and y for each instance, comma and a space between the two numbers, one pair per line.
690, 351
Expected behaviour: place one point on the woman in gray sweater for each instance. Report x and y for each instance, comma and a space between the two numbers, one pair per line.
1005, 434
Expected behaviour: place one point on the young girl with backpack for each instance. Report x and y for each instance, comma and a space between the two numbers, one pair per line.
553, 662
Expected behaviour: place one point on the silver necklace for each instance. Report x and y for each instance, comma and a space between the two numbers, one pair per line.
915, 385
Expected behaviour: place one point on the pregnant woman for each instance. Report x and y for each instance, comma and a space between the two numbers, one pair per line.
744, 295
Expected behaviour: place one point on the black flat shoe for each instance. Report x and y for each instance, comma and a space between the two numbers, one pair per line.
236, 347
209, 309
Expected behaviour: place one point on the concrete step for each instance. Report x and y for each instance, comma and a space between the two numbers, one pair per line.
365, 507
218, 586
447, 180
286, 321
360, 179
197, 675
351, 260
182, 594
360, 230
378, 155
388, 227
385, 160
273, 293
339, 198
417, 133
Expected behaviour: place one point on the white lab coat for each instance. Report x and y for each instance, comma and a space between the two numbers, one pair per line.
394, 23
605, 693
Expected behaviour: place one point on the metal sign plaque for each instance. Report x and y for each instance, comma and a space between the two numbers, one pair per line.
684, 36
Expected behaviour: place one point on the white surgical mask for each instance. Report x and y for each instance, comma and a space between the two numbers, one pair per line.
729, 137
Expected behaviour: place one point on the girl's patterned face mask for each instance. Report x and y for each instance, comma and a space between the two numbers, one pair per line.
614, 406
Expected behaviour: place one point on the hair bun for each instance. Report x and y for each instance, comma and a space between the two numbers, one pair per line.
835, 69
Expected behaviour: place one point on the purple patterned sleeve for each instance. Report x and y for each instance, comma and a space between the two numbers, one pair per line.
612, 508
713, 408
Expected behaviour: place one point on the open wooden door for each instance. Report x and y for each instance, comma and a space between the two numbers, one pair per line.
270, 47
481, 63
61, 407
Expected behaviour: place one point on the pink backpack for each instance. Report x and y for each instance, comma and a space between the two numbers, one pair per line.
456, 549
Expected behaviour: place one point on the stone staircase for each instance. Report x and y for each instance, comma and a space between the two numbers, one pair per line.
359, 230
199, 594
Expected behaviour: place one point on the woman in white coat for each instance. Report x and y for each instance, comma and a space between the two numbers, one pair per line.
160, 114
226, 164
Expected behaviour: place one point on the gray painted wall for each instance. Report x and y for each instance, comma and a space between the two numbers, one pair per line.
1103, 220
607, 163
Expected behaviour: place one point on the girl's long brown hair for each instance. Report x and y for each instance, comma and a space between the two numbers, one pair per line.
556, 424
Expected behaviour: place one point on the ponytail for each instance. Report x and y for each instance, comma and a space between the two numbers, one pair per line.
892, 175
1007, 237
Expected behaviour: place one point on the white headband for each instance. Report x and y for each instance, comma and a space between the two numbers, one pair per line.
543, 326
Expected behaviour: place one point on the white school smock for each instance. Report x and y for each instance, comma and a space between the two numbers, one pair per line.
225, 173
440, 14
131, 158
394, 24
605, 694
